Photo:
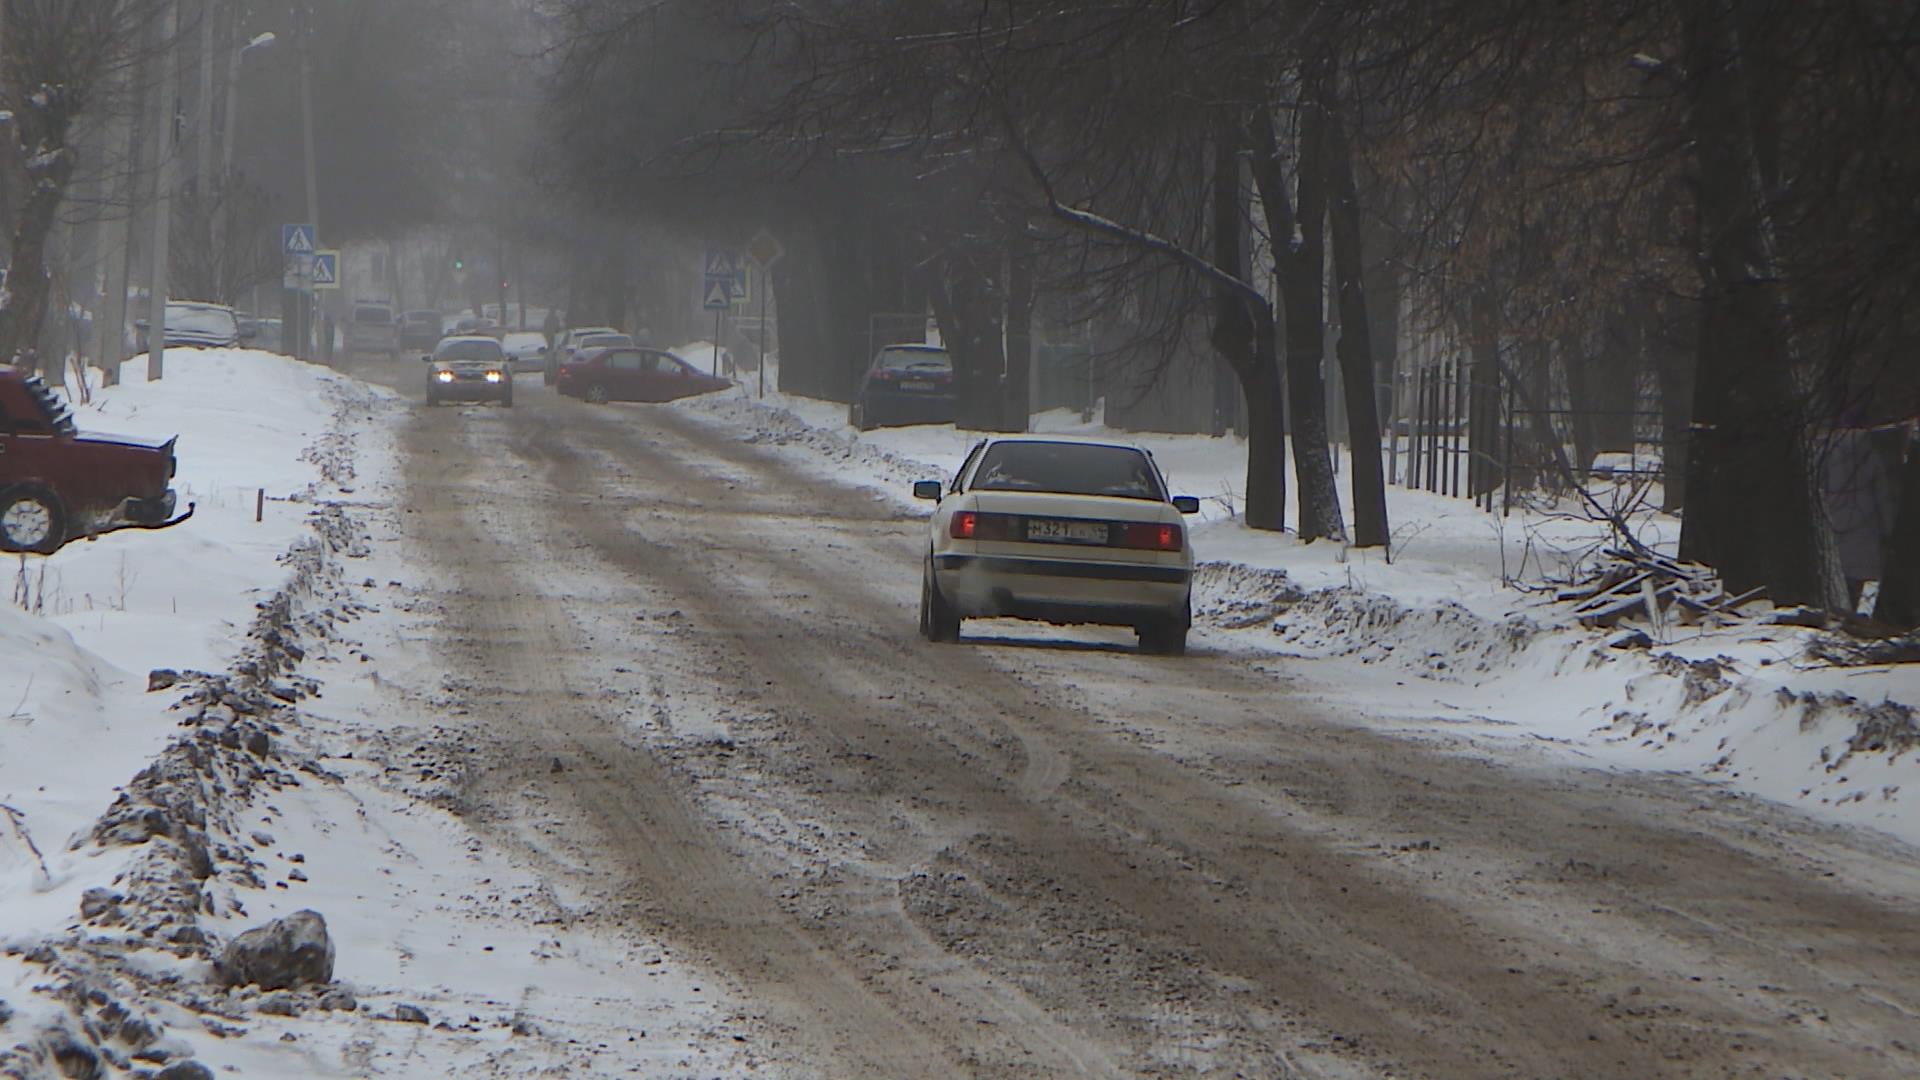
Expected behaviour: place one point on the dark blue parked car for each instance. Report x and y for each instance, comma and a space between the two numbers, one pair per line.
905, 384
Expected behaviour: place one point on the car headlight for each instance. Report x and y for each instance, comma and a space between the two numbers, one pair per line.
444, 376
493, 376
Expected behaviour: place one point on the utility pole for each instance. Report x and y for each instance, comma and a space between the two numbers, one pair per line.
306, 133
114, 237
203, 111
168, 165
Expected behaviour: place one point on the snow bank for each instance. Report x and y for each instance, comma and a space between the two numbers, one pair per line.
143, 829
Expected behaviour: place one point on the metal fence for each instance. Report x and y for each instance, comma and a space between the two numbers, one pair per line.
1450, 433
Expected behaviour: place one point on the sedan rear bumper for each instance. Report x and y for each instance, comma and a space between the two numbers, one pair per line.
885, 408
1062, 590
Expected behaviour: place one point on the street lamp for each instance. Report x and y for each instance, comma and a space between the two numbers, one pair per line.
260, 41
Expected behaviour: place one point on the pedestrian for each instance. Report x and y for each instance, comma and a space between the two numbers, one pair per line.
550, 327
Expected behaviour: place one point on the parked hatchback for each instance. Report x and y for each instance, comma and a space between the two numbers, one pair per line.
905, 384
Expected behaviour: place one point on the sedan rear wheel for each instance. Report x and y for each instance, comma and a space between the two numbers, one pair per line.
596, 394
938, 622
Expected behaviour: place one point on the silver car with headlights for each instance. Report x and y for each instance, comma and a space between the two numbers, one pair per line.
469, 368
1060, 530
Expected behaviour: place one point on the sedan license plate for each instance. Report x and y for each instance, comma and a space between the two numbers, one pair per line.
1050, 531
916, 385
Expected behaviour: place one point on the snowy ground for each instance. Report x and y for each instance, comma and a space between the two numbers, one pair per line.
98, 956
344, 808
1446, 636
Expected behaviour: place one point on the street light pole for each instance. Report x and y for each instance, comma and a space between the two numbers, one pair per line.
260, 41
313, 191
167, 169
226, 144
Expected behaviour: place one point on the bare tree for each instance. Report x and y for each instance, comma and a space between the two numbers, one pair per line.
57, 59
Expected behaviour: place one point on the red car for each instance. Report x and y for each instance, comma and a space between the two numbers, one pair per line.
59, 484
630, 374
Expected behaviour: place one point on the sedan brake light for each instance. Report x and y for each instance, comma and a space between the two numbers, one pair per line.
1154, 537
975, 525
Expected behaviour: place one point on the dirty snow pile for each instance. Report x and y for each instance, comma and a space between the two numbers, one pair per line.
204, 865
1445, 637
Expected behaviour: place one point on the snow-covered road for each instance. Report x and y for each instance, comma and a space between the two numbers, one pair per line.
620, 756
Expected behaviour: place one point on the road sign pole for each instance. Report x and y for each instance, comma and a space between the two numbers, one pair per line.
717, 313
764, 250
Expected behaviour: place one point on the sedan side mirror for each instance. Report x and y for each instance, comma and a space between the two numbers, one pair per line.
426, 359
1186, 504
927, 489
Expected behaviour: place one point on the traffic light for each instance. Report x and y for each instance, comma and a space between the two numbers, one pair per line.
459, 263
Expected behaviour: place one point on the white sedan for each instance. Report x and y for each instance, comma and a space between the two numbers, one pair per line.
1061, 530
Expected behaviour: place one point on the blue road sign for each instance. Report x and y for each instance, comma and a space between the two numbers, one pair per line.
296, 240
722, 262
326, 269
719, 294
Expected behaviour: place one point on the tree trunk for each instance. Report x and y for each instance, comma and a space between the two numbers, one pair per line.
1484, 444
1016, 401
802, 338
1899, 601
1754, 508
1673, 363
1300, 272
1576, 369
971, 310
1370, 528
1244, 335
1266, 433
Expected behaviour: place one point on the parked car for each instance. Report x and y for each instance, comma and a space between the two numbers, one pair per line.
568, 343
1058, 530
468, 368
371, 329
526, 349
195, 325
267, 333
634, 374
419, 330
59, 484
905, 384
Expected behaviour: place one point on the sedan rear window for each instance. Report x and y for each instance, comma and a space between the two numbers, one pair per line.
201, 320
468, 349
1068, 469
930, 360
373, 314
